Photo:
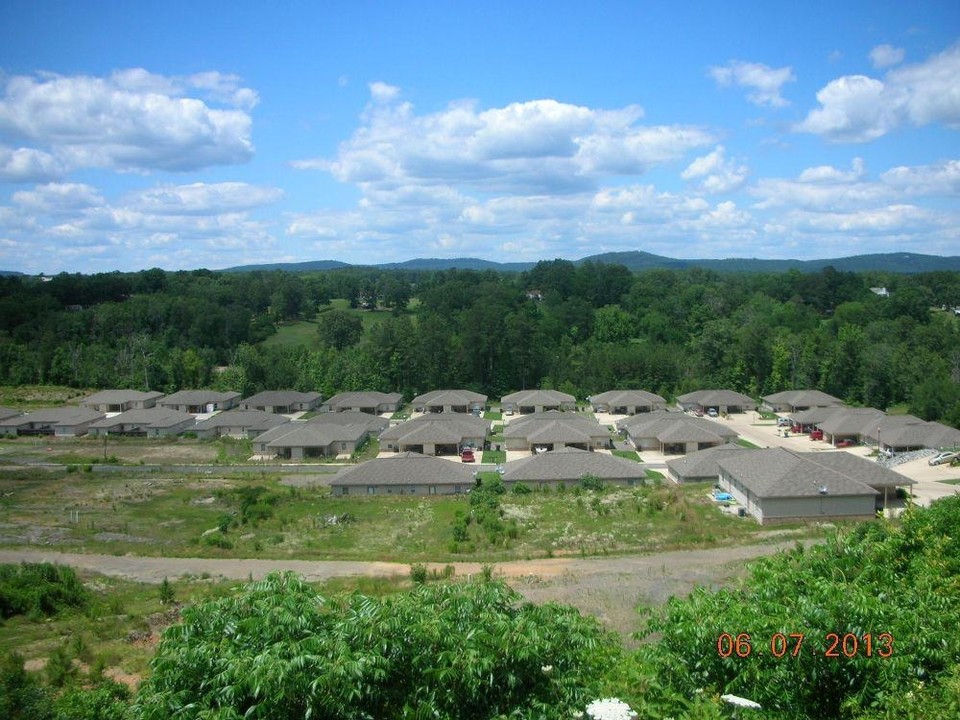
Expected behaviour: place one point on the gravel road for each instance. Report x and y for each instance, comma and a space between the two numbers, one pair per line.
609, 588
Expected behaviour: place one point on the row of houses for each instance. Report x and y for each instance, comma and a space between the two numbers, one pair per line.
410, 473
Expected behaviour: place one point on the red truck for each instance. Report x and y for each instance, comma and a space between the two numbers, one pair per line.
816, 434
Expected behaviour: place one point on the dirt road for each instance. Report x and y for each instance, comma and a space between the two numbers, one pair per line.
609, 588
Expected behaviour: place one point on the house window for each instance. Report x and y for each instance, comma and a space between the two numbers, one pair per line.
371, 490
433, 489
344, 490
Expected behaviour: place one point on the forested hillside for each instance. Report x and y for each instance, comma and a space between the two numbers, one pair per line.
579, 328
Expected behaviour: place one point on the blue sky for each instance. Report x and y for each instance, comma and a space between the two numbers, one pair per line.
214, 134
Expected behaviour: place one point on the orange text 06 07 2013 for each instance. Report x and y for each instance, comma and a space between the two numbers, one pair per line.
781, 645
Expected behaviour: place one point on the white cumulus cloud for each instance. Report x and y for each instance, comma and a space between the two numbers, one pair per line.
525, 147
763, 83
132, 120
715, 173
857, 108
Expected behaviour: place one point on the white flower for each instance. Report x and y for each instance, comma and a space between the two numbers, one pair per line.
740, 702
610, 709
546, 669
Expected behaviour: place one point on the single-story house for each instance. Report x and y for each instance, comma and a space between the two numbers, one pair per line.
118, 401
553, 430
371, 402
436, 434
527, 402
197, 402
701, 466
297, 440
150, 422
567, 466
441, 401
849, 423
775, 484
70, 421
792, 401
626, 402
282, 402
723, 401
901, 433
673, 433
239, 424
404, 474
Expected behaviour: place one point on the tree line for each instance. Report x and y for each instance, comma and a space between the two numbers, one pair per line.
580, 328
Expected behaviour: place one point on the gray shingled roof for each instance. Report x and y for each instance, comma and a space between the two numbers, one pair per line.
370, 398
803, 398
63, 416
716, 397
199, 397
704, 463
571, 464
252, 419
374, 423
118, 397
851, 421
6, 412
437, 428
449, 397
859, 468
538, 397
674, 427
780, 473
311, 435
281, 397
555, 426
620, 398
405, 469
156, 417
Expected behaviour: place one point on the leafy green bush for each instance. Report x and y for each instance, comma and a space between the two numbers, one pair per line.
39, 590
898, 584
449, 650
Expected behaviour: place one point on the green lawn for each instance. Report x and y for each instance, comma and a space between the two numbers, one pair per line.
300, 332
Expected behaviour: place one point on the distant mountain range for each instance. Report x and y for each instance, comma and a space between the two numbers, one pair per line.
638, 260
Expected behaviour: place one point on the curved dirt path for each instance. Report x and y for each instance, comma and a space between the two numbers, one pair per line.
610, 588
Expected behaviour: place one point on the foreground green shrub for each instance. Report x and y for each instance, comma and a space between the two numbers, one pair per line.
452, 650
899, 585
39, 590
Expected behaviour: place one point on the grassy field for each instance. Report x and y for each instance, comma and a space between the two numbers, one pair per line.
217, 515
127, 451
29, 397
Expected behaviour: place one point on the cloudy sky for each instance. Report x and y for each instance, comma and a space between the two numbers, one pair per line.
214, 134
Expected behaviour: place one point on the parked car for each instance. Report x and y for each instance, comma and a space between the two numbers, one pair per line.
845, 443
944, 458
816, 434
467, 456
712, 412
784, 422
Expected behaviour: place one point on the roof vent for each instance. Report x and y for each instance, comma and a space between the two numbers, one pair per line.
823, 490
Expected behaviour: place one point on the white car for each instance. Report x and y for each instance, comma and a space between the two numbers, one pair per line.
944, 457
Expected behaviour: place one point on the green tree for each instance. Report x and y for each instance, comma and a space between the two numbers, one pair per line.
339, 329
444, 650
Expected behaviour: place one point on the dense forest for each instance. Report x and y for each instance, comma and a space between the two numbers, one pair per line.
579, 328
